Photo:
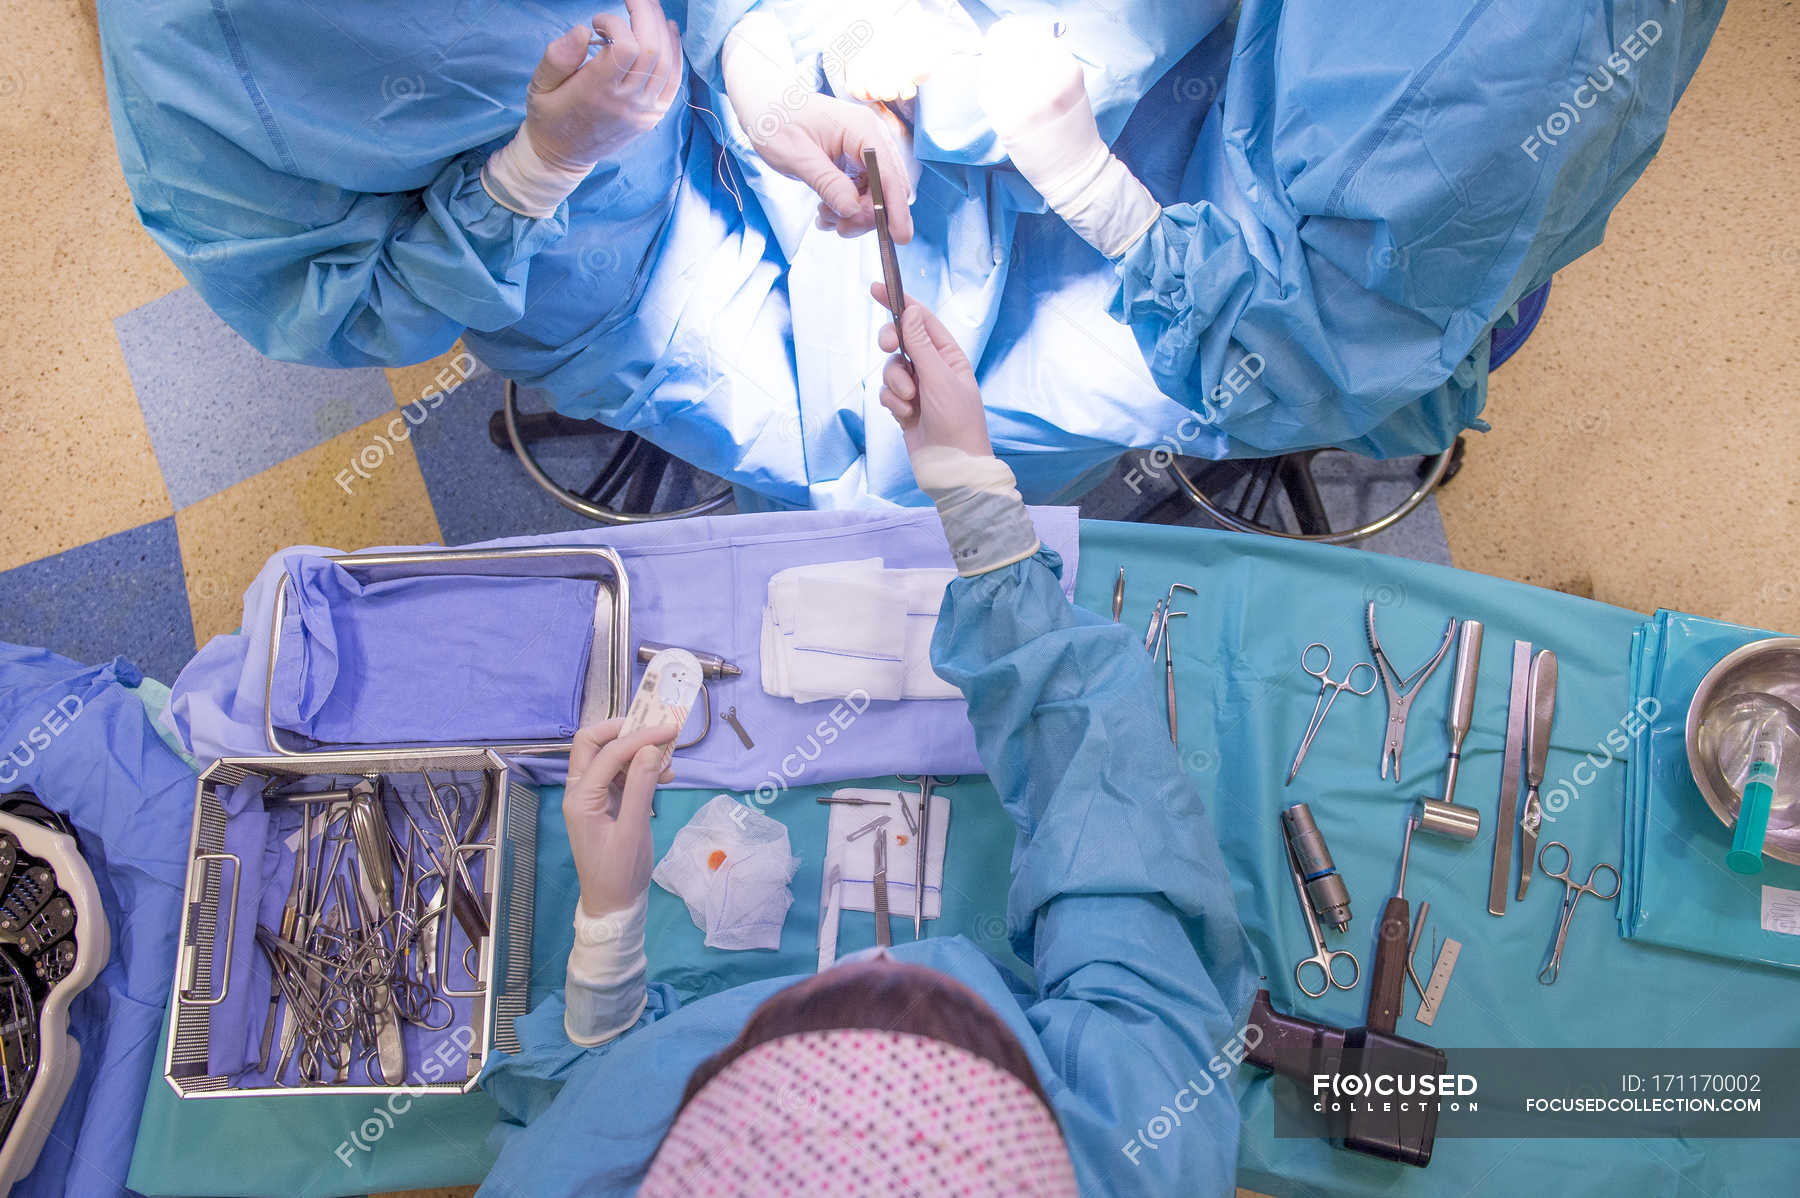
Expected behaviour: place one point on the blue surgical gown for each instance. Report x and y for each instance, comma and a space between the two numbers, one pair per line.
315, 173
1349, 209
1119, 901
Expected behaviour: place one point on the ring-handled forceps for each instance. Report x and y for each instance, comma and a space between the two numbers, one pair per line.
1400, 692
1323, 959
922, 842
1329, 689
1572, 892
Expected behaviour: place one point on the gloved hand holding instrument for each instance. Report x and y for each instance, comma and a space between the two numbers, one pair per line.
581, 109
809, 136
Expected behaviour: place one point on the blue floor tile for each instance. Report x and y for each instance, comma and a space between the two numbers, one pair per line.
123, 595
219, 412
481, 492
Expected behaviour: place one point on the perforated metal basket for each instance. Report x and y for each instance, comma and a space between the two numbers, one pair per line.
211, 932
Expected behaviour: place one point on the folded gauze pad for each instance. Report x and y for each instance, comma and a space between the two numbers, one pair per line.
731, 865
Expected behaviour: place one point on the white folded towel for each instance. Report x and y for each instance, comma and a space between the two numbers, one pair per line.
837, 627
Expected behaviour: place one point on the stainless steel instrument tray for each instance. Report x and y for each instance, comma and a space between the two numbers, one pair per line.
203, 960
607, 689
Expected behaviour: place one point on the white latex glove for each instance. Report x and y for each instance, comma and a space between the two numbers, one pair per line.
606, 805
938, 405
1033, 93
579, 109
882, 50
814, 138
934, 395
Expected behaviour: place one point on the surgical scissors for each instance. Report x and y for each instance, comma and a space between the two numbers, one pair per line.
1322, 705
1323, 958
922, 842
1572, 892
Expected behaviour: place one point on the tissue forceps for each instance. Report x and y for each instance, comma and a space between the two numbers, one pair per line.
1329, 689
922, 842
884, 935
1572, 892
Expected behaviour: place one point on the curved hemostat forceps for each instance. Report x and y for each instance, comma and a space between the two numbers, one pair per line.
1329, 689
1572, 892
1401, 692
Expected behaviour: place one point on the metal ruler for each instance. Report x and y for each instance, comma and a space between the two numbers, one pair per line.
1440, 982
1505, 826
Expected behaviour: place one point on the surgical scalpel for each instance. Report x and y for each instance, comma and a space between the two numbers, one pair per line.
1400, 691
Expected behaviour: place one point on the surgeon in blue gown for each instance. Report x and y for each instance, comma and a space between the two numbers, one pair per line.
321, 175
1236, 230
1141, 972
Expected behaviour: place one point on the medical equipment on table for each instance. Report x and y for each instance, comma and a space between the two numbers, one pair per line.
1150, 633
366, 965
732, 865
1439, 819
1744, 710
1540, 713
731, 718
1760, 781
1431, 994
831, 906
920, 841
832, 629
605, 685
1119, 595
884, 935
665, 695
1393, 944
926, 784
1462, 700
851, 800
1326, 892
54, 942
1572, 892
1329, 689
712, 668
873, 825
1169, 675
1449, 819
1500, 873
1308, 1053
1400, 691
1165, 608
1323, 959
884, 244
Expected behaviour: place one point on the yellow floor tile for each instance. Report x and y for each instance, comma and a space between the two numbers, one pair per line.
1646, 442
73, 447
226, 538
413, 383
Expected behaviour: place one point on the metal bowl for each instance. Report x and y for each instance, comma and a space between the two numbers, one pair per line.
1766, 667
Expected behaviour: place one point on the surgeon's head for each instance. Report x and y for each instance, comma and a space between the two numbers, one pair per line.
874, 1073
